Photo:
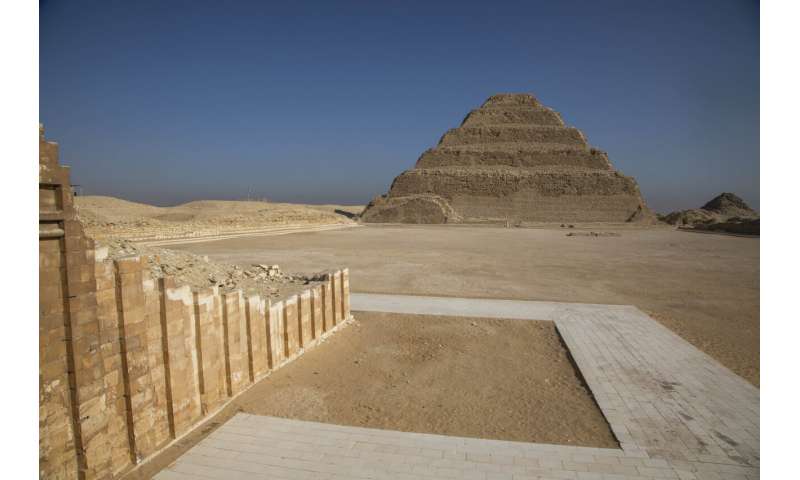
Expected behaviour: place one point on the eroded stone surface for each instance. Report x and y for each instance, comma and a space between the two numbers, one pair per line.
511, 160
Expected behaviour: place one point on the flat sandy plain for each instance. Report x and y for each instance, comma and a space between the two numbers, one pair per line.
705, 287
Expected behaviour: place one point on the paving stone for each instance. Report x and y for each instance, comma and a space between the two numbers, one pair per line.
677, 413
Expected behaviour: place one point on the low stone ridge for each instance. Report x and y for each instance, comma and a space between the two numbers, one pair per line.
724, 213
512, 159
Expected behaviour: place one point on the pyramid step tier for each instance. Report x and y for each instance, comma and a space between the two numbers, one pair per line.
514, 155
491, 116
499, 182
523, 134
519, 194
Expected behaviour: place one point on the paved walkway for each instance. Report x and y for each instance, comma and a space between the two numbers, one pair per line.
676, 412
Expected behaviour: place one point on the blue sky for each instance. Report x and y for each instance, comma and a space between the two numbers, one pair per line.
165, 102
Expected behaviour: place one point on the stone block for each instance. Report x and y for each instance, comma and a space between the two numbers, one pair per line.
211, 350
257, 311
291, 327
337, 298
235, 332
277, 352
305, 327
346, 294
316, 312
327, 305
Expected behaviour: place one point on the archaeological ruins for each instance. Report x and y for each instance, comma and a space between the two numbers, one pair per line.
511, 160
129, 363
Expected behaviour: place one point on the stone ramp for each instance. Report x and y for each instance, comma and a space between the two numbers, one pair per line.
676, 412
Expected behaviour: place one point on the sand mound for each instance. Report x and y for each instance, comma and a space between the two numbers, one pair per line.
113, 218
511, 160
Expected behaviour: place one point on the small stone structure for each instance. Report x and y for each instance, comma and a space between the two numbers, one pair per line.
511, 160
128, 363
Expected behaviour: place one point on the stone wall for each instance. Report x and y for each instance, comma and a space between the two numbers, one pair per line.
127, 362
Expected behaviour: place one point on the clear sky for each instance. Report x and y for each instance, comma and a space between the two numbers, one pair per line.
326, 102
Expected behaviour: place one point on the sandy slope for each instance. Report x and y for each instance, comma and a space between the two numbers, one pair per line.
109, 217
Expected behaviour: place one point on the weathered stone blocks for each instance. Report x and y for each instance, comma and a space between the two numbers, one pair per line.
127, 362
291, 327
512, 159
212, 375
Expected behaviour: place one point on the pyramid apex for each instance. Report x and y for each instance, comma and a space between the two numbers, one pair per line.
511, 99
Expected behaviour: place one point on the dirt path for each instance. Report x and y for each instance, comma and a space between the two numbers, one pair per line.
703, 287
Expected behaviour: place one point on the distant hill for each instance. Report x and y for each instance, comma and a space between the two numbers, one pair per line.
726, 213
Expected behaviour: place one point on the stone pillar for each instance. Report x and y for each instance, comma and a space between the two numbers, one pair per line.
291, 330
57, 449
337, 298
119, 448
346, 294
235, 334
327, 304
71, 374
304, 319
257, 311
179, 347
142, 410
211, 349
276, 335
316, 311
163, 429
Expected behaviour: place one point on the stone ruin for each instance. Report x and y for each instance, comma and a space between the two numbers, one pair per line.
130, 363
511, 160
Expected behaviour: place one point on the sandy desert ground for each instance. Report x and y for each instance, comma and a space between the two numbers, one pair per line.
483, 378
704, 287
400, 371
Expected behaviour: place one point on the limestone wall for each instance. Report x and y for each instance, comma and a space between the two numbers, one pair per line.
128, 363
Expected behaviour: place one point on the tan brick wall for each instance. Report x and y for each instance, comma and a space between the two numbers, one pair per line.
119, 448
327, 304
237, 369
316, 311
57, 453
128, 363
211, 351
304, 319
276, 335
291, 327
338, 315
180, 353
346, 293
257, 310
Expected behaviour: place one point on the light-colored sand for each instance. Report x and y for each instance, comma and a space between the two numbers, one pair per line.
483, 378
703, 287
109, 217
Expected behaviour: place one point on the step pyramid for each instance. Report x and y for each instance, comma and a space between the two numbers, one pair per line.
511, 160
